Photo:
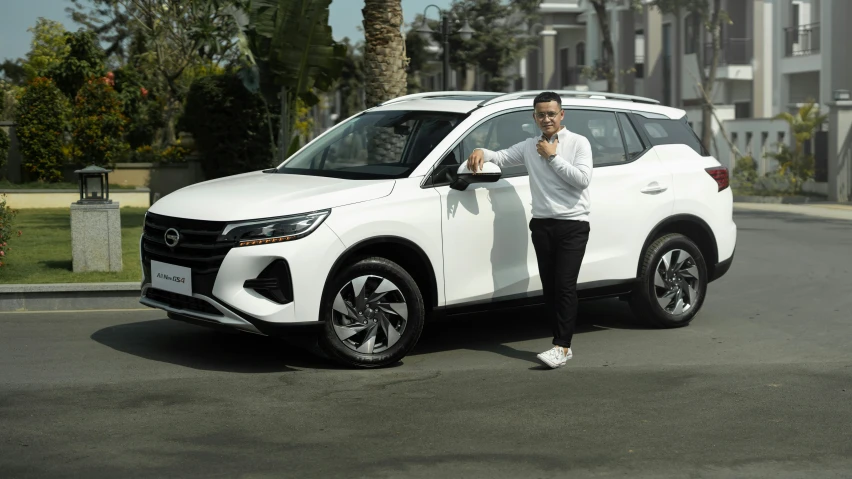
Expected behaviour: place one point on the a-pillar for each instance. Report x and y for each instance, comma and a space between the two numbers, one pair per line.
840, 151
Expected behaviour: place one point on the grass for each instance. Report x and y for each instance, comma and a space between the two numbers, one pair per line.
43, 253
7, 185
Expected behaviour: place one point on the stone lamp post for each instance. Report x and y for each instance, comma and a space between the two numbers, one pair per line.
95, 224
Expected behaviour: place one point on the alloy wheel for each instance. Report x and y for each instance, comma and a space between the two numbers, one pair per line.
369, 314
676, 282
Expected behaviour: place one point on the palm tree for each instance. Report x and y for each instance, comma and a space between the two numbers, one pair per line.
386, 78
384, 53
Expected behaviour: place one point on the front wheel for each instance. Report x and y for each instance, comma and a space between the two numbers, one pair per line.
373, 313
672, 282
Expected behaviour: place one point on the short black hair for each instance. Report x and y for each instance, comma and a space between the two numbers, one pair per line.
547, 97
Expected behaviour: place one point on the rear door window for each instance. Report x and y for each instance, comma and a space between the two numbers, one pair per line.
661, 131
603, 132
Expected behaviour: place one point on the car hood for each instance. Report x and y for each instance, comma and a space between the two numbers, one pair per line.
265, 195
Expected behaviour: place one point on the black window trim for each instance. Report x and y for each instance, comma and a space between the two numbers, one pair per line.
643, 138
428, 181
646, 145
684, 119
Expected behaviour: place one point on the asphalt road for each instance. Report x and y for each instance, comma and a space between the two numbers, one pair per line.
760, 385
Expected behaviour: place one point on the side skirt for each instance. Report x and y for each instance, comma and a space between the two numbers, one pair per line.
585, 291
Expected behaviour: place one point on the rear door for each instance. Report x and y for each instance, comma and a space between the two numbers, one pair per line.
630, 192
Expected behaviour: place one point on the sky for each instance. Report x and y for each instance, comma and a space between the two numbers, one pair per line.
18, 15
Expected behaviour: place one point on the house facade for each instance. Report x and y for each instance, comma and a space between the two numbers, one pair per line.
775, 55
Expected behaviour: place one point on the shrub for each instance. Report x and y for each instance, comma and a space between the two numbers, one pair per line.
41, 118
4, 147
98, 126
229, 126
7, 216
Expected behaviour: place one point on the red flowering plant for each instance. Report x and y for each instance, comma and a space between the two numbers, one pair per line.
7, 215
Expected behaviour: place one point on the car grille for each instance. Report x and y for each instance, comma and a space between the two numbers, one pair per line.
198, 249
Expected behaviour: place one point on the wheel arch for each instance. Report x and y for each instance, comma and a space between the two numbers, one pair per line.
401, 251
693, 228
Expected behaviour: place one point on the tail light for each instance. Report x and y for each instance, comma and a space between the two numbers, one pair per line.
720, 174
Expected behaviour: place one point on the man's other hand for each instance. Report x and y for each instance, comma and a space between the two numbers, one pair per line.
546, 149
475, 161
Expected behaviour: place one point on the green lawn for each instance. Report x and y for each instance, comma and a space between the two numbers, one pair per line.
43, 253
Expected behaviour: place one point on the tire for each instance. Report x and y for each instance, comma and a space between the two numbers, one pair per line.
670, 297
394, 318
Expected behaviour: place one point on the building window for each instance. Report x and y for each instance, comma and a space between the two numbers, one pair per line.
742, 109
564, 68
581, 54
692, 34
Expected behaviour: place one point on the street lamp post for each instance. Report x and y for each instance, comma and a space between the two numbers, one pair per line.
465, 33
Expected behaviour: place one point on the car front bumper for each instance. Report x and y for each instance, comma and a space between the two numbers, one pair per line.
222, 297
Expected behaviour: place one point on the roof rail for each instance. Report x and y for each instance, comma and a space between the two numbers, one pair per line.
573, 93
436, 94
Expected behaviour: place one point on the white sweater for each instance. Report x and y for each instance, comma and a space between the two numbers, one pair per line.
560, 186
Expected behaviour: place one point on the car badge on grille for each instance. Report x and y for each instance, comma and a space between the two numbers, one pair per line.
172, 237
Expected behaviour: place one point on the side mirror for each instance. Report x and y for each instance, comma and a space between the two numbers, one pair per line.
464, 177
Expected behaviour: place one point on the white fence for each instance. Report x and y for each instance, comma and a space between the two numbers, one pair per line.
755, 137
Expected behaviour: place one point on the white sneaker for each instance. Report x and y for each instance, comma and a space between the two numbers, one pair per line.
555, 357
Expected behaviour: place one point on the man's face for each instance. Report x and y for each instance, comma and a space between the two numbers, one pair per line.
548, 117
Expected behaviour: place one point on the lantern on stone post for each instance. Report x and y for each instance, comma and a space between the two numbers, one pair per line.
94, 185
95, 224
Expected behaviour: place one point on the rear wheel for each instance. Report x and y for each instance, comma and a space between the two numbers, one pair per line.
373, 313
672, 282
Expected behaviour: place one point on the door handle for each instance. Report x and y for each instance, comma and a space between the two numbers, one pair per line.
653, 189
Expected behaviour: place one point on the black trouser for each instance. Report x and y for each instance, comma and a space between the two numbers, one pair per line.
559, 248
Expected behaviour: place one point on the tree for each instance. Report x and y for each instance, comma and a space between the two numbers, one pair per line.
384, 53
605, 66
84, 59
176, 41
229, 125
14, 72
98, 126
351, 81
793, 162
499, 39
287, 55
109, 21
41, 116
712, 16
47, 48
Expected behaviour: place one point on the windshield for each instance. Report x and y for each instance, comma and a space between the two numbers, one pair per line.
374, 145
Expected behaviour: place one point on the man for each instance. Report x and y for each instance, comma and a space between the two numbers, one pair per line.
559, 164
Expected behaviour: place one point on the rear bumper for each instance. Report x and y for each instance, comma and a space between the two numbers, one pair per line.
721, 268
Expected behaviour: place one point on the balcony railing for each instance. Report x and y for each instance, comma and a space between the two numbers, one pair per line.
733, 51
802, 40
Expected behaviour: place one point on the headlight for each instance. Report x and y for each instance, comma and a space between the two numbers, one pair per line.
273, 230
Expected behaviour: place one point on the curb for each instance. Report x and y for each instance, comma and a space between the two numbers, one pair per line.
786, 200
69, 296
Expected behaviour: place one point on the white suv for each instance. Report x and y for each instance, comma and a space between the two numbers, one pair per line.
369, 229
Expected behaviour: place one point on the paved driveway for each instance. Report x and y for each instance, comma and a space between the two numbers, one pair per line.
760, 386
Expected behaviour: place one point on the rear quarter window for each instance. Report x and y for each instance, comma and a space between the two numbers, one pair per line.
670, 132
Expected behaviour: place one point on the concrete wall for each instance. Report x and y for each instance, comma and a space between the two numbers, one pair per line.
26, 199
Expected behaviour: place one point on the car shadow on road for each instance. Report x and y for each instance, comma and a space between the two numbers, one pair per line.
492, 331
197, 347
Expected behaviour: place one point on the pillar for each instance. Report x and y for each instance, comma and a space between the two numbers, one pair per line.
840, 151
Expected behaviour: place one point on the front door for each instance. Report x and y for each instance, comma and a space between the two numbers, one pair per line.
487, 249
